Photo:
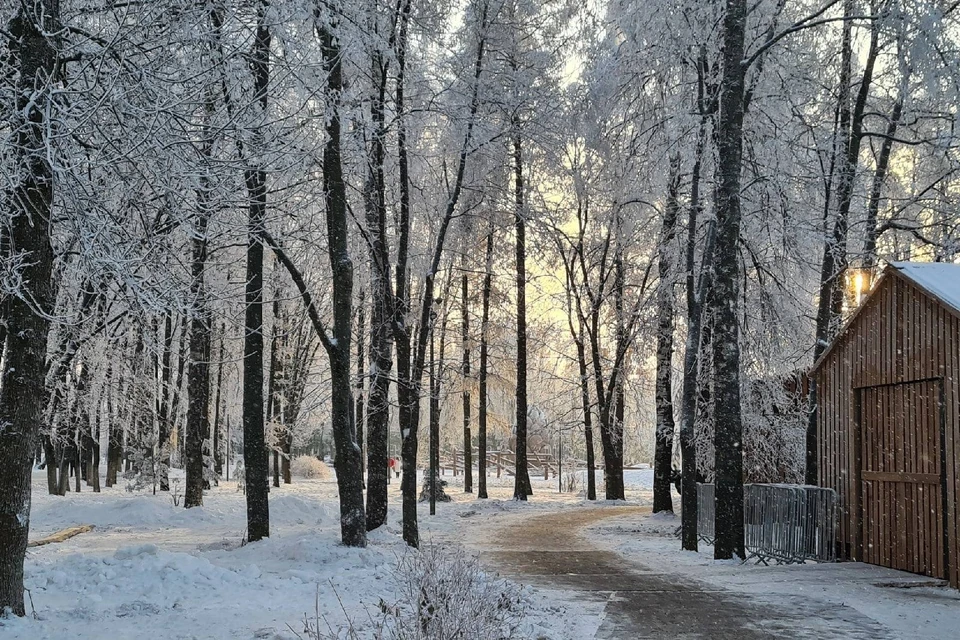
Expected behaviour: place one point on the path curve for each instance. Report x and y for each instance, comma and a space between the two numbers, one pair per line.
549, 551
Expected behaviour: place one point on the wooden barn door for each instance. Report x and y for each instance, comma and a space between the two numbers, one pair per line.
902, 477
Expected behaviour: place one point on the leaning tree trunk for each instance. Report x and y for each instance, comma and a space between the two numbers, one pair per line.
353, 521
22, 390
522, 487
254, 447
663, 451
728, 434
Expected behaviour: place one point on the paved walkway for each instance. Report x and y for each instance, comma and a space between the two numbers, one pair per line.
548, 551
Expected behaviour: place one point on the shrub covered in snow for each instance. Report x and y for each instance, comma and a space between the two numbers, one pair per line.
310, 468
441, 594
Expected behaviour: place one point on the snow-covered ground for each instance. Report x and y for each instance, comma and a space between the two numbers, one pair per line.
897, 602
151, 569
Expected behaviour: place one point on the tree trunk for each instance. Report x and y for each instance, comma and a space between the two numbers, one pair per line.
273, 395
217, 444
728, 435
465, 337
695, 292
663, 453
834, 265
587, 417
52, 464
381, 313
164, 419
879, 177
434, 421
522, 487
613, 474
410, 364
254, 448
406, 390
482, 374
22, 391
198, 378
353, 522
358, 411
94, 475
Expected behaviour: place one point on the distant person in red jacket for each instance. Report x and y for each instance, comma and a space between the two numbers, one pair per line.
392, 466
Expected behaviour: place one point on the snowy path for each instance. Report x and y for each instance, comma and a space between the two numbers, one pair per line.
550, 551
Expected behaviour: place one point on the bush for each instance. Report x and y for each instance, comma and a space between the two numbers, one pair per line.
442, 594
310, 468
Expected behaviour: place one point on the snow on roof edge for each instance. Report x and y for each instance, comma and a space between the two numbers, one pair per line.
941, 279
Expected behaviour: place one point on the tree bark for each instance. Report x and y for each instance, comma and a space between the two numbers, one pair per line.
254, 448
217, 455
695, 294
410, 362
112, 427
879, 177
434, 423
358, 411
482, 373
353, 524
22, 391
522, 487
273, 393
834, 265
663, 452
465, 339
381, 312
164, 418
587, 416
198, 377
728, 435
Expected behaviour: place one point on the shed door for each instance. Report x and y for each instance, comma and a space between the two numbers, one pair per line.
902, 498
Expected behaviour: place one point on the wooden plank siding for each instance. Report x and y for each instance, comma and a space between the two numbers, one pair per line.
888, 418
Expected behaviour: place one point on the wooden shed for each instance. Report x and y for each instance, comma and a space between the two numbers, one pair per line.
888, 391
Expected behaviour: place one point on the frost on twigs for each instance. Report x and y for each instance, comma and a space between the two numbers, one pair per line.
441, 593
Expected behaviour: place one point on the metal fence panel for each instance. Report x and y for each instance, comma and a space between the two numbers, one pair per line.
784, 523
705, 512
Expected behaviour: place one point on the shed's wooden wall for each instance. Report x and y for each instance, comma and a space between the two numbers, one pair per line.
900, 335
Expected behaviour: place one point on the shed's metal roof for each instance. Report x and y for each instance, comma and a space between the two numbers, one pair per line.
940, 279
